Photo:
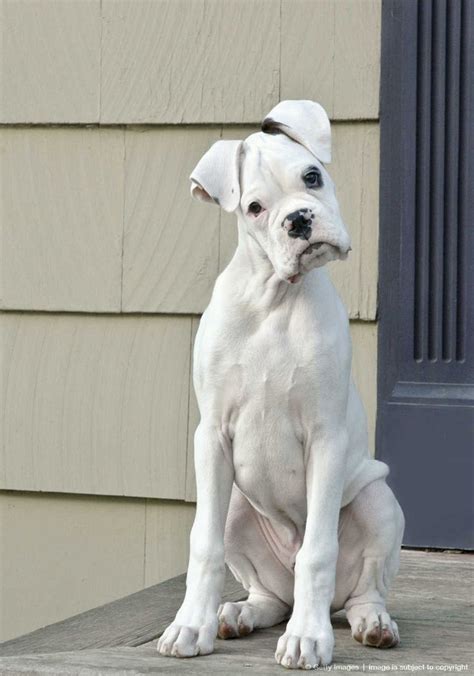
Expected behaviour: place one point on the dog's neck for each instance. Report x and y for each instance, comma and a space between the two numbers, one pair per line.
254, 278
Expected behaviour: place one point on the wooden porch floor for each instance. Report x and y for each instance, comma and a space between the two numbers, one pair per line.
432, 602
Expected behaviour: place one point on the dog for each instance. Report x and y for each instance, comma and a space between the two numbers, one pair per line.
287, 493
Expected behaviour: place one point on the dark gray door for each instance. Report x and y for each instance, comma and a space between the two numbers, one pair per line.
425, 426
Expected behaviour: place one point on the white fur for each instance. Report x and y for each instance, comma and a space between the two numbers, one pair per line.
283, 471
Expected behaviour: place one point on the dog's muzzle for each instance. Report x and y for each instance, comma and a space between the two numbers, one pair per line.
299, 224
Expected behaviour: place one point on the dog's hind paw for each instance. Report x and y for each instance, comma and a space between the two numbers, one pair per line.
375, 628
235, 620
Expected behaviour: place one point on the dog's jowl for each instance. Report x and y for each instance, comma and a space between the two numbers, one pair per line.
288, 494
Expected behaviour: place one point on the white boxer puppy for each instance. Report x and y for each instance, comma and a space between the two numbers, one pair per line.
287, 493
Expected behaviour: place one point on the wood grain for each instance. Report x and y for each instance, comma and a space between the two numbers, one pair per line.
357, 29
428, 601
50, 61
330, 52
175, 61
171, 240
95, 404
168, 525
308, 43
354, 170
63, 554
130, 621
62, 219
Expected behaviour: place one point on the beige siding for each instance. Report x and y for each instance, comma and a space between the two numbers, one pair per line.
50, 61
168, 525
171, 241
330, 52
68, 253
61, 555
178, 61
355, 170
364, 371
62, 219
95, 404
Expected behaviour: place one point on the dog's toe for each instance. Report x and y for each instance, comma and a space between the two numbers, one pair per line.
235, 620
376, 629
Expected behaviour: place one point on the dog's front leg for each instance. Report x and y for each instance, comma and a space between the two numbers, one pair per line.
195, 626
308, 641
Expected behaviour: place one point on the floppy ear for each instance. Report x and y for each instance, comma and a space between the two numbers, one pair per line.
306, 122
216, 176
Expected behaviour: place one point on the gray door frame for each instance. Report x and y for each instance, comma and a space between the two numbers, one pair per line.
425, 420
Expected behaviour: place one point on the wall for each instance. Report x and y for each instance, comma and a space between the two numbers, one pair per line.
106, 107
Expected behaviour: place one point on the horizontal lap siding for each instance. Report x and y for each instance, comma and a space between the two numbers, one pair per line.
182, 61
101, 220
50, 61
62, 219
63, 554
330, 52
95, 404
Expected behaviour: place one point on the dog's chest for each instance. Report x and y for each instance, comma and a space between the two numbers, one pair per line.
269, 400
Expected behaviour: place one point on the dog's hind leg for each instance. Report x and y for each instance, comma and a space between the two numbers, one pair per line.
252, 560
371, 530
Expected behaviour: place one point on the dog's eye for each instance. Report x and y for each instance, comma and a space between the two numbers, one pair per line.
255, 208
313, 178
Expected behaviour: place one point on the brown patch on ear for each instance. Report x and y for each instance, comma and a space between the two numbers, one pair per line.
271, 126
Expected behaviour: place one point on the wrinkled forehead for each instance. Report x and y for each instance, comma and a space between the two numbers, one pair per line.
274, 158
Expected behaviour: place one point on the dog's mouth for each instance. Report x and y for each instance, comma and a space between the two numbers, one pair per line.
315, 251
321, 248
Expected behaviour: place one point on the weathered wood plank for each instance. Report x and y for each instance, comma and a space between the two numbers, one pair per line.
171, 241
429, 601
62, 218
176, 61
95, 404
130, 621
50, 61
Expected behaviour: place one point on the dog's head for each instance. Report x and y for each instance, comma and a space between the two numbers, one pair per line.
277, 183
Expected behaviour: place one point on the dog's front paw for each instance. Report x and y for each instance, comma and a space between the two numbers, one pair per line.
185, 641
296, 650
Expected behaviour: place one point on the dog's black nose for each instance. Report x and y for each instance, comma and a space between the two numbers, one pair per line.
299, 223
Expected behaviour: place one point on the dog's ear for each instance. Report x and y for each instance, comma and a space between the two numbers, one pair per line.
216, 176
306, 122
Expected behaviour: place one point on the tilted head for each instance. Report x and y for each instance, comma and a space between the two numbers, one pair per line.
277, 184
